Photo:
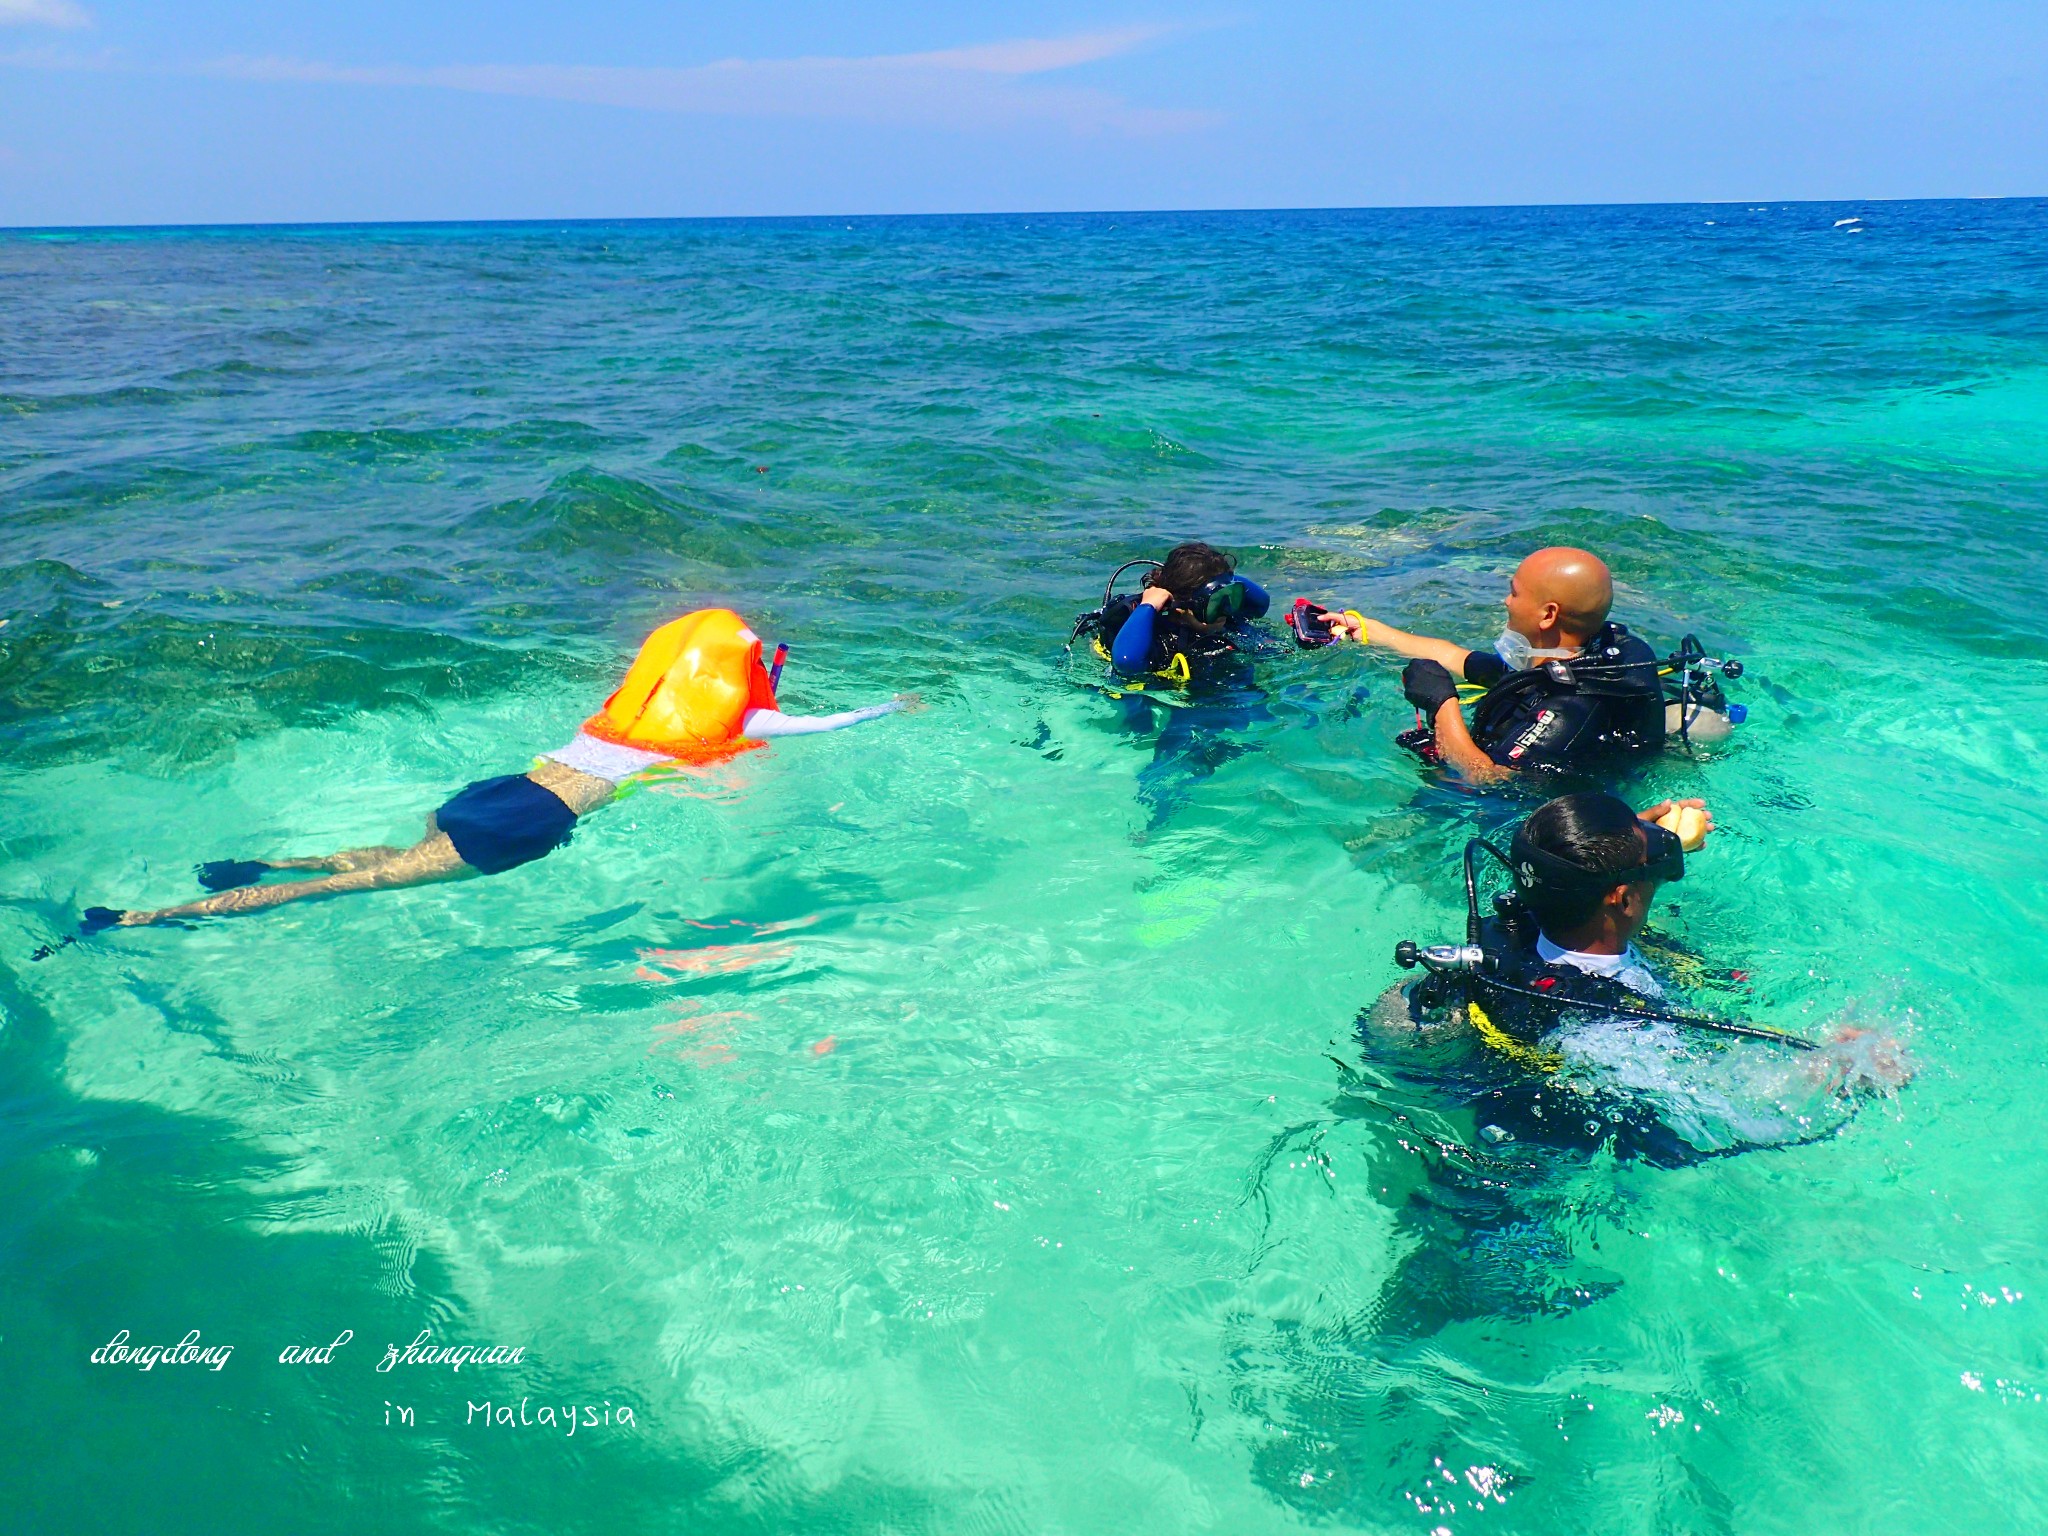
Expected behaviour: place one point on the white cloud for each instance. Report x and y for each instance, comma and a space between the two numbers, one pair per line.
1026, 56
42, 13
957, 87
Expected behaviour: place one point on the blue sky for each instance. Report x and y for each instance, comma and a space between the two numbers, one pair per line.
114, 111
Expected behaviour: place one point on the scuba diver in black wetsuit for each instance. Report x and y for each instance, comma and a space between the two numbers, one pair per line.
1561, 946
1565, 687
1186, 634
1547, 1035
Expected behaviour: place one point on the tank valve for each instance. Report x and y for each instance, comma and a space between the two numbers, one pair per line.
1437, 957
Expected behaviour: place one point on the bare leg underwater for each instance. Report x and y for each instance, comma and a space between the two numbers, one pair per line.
427, 862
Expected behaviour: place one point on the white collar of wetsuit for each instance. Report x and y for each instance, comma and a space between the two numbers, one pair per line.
1578, 959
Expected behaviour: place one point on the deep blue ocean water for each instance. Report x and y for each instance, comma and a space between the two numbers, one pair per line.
958, 1124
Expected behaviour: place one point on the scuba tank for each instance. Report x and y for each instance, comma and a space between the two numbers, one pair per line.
1694, 700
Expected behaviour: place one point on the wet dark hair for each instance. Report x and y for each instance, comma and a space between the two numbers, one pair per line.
1190, 566
1598, 833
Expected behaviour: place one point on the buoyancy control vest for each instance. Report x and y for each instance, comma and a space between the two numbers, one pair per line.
1175, 647
1514, 997
1605, 700
1519, 995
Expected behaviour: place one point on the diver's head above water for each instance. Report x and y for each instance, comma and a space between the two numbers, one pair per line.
1191, 599
1556, 601
1589, 867
1196, 586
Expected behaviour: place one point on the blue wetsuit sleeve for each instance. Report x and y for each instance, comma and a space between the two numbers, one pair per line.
1134, 641
1256, 599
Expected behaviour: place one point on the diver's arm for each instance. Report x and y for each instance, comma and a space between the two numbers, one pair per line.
1133, 646
1414, 647
761, 724
1455, 742
1256, 599
1428, 684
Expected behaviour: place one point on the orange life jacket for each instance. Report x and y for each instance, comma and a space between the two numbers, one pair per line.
688, 691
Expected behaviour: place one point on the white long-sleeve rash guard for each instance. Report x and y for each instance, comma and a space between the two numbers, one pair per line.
608, 760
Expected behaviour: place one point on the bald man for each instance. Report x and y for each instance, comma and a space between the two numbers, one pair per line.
1564, 687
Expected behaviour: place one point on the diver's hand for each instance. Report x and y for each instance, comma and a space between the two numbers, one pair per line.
1691, 835
1347, 626
908, 703
1861, 1060
1428, 685
1156, 598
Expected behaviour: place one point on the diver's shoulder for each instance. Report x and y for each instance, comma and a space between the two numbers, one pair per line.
1618, 637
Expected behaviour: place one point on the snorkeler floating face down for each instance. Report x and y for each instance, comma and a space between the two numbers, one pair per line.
696, 694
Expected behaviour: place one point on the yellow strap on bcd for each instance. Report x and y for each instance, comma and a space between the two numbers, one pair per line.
1500, 1040
1175, 671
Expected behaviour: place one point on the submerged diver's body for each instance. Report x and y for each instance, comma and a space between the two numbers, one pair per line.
1537, 1052
500, 823
1603, 700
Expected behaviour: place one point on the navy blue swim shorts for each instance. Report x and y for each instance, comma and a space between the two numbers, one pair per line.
498, 824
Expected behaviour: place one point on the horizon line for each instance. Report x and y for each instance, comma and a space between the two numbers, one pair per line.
1024, 213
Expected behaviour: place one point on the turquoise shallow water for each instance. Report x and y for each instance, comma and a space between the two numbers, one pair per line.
921, 1128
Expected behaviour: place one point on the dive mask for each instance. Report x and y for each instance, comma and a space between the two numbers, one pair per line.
1214, 602
1663, 859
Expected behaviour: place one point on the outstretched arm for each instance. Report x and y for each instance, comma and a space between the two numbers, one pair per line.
764, 723
1664, 814
1415, 647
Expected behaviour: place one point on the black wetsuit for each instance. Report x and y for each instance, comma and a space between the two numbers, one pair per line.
1524, 998
1605, 701
1525, 995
